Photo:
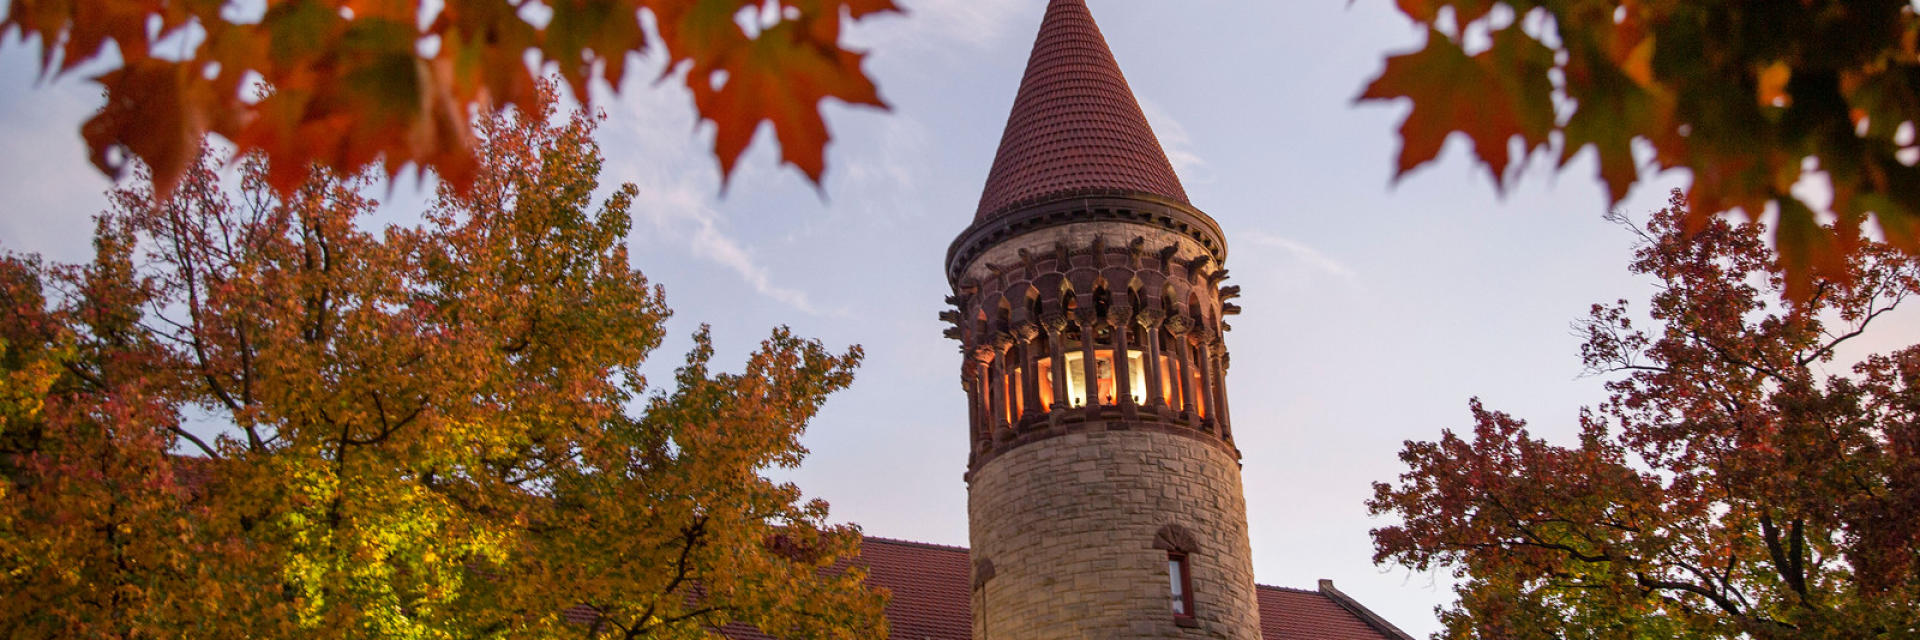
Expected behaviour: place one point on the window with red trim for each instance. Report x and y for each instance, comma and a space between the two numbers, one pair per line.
1180, 580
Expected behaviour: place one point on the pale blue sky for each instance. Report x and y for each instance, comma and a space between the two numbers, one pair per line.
1373, 309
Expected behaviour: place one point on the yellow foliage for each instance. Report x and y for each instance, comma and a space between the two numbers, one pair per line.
426, 432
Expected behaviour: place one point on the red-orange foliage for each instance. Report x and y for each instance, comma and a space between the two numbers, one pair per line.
1726, 489
1745, 96
397, 81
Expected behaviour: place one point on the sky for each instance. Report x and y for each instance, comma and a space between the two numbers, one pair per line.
1375, 307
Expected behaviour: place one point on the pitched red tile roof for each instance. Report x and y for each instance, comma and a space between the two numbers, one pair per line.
1299, 614
931, 600
1075, 125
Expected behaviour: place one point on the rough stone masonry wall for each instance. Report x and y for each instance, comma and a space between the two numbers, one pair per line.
1068, 526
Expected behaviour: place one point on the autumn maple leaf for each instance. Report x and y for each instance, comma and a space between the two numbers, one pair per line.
399, 81
1491, 96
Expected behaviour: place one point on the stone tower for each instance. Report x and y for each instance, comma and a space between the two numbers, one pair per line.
1104, 489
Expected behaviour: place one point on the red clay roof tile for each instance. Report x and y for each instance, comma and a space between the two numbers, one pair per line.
1075, 125
1299, 614
931, 599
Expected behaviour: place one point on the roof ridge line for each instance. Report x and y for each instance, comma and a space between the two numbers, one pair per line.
910, 543
1361, 611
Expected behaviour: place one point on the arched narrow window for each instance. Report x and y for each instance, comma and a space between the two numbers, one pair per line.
1181, 584
1180, 546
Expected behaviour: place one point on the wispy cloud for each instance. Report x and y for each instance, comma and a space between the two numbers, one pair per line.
941, 25
887, 175
1300, 254
1176, 143
646, 143
681, 213
53, 192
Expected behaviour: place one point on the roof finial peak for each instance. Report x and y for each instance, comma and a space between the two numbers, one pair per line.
1075, 125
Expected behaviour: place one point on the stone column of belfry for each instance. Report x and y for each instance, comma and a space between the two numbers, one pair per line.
1183, 353
1085, 265
1090, 364
1149, 321
1029, 381
1056, 325
1121, 317
983, 395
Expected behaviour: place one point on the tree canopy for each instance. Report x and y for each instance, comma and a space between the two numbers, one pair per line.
1747, 97
399, 81
1727, 488
430, 432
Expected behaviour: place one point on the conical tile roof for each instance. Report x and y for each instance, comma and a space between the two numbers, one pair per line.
1075, 125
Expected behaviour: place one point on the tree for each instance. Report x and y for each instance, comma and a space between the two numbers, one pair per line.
1725, 489
1748, 97
436, 431
399, 81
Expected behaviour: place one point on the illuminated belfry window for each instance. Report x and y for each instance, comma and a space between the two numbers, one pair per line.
1049, 345
1104, 388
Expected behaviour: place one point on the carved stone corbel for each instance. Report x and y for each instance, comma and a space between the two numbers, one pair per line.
1054, 322
1197, 263
1178, 325
1149, 318
1026, 331
1086, 316
1204, 335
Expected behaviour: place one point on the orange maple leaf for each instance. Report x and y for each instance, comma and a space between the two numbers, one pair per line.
1491, 96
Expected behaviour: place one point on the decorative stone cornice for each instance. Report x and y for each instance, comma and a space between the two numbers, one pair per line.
1100, 419
1095, 205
